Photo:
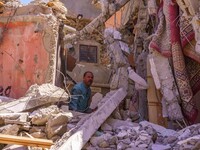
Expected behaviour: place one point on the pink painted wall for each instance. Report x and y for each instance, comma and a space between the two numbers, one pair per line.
23, 58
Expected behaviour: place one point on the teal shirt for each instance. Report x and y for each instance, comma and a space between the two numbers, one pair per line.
80, 95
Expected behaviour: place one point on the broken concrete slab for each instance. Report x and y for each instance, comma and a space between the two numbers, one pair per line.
5, 99
95, 100
36, 96
142, 84
83, 134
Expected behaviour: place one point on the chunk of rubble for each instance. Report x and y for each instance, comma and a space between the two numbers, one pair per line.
13, 118
160, 147
161, 130
35, 97
95, 100
4, 99
37, 129
56, 125
10, 129
39, 134
115, 123
41, 116
96, 140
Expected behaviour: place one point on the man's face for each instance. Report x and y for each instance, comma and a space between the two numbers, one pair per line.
88, 79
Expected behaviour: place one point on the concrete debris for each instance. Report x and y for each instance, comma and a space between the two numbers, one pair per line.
4, 99
10, 129
36, 96
56, 125
41, 116
67, 29
168, 88
142, 135
63, 127
59, 9
16, 118
83, 134
140, 83
119, 59
96, 98
41, 135
21, 119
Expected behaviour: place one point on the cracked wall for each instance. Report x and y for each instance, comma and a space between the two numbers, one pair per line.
27, 48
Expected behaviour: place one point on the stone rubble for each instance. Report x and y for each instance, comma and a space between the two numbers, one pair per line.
51, 122
145, 135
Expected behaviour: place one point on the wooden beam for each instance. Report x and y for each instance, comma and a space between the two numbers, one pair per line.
18, 140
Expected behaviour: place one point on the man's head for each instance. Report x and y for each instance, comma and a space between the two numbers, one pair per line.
88, 78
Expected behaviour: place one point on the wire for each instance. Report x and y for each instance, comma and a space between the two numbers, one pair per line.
65, 84
64, 81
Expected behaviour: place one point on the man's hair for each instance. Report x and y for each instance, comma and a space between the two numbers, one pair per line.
87, 72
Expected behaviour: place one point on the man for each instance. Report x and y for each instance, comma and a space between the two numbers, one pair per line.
81, 94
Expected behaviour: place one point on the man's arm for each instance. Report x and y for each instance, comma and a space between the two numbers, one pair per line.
76, 96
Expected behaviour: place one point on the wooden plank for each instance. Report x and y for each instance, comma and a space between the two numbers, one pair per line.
154, 101
18, 140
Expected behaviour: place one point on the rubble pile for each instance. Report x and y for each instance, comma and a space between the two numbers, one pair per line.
51, 122
35, 114
117, 134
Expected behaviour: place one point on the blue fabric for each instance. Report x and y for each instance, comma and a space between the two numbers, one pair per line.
80, 95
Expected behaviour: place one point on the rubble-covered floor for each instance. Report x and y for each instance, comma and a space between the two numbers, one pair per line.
117, 131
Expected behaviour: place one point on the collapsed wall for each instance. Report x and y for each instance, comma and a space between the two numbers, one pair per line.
28, 45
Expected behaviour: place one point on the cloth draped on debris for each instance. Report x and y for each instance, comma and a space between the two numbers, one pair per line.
192, 67
167, 41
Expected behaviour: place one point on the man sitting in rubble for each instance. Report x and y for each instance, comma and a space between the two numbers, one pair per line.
81, 94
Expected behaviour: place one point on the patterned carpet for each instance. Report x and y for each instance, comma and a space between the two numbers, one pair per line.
192, 61
190, 109
173, 35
